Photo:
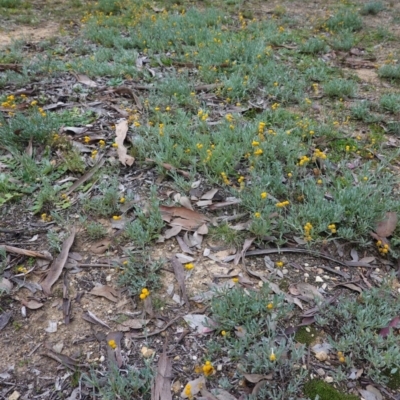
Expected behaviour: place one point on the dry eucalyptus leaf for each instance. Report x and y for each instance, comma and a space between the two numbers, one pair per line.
106, 291
308, 291
120, 133
85, 80
386, 227
32, 304
195, 386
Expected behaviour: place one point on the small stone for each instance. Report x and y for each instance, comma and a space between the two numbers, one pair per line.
285, 271
326, 277
177, 358
102, 358
23, 311
306, 275
306, 264
318, 279
328, 379
321, 356
320, 372
194, 358
110, 311
176, 387
219, 367
108, 278
324, 286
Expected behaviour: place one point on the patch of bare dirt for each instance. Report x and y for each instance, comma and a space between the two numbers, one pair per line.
30, 33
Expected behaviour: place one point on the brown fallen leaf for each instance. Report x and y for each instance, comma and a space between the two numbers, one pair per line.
105, 291
209, 195
24, 252
4, 319
255, 378
63, 359
308, 291
32, 304
58, 264
170, 167
386, 227
101, 246
120, 133
184, 247
85, 80
241, 255
226, 203
114, 354
85, 177
180, 277
169, 233
90, 317
132, 324
161, 387
195, 385
184, 213
351, 286
130, 93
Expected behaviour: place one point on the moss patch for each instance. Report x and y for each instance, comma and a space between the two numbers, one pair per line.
306, 335
325, 391
394, 378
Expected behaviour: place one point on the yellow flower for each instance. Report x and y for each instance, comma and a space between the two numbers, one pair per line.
116, 217
44, 217
257, 215
112, 344
272, 357
199, 146
144, 294
102, 143
188, 391
289, 175
64, 196
264, 195
270, 306
125, 262
258, 152
33, 103
115, 145
137, 124
86, 139
342, 359
208, 369
255, 143
279, 264
189, 266
223, 333
319, 181
235, 280
122, 200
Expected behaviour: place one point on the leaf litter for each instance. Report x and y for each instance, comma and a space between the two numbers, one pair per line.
195, 226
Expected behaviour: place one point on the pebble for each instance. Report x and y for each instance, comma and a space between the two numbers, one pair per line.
324, 286
108, 278
14, 396
194, 358
219, 367
284, 271
325, 276
320, 372
318, 279
306, 264
177, 358
329, 379
102, 359
306, 275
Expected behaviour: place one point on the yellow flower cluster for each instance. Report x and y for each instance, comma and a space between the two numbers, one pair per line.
264, 195
189, 266
86, 139
270, 306
112, 343
199, 146
102, 143
282, 204
225, 178
21, 269
271, 132
202, 115
208, 369
307, 231
275, 106
94, 154
229, 117
257, 215
382, 248
258, 152
254, 143
319, 154
10, 103
45, 218
279, 264
161, 129
116, 217
341, 357
332, 228
188, 391
144, 294
261, 127
303, 160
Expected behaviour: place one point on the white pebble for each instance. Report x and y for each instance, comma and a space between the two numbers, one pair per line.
324, 286
318, 279
306, 264
329, 379
219, 367
306, 275
194, 358
102, 358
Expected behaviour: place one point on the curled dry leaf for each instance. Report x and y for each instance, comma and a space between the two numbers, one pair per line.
32, 304
255, 378
105, 291
308, 291
195, 386
58, 264
4, 319
90, 317
120, 133
85, 80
